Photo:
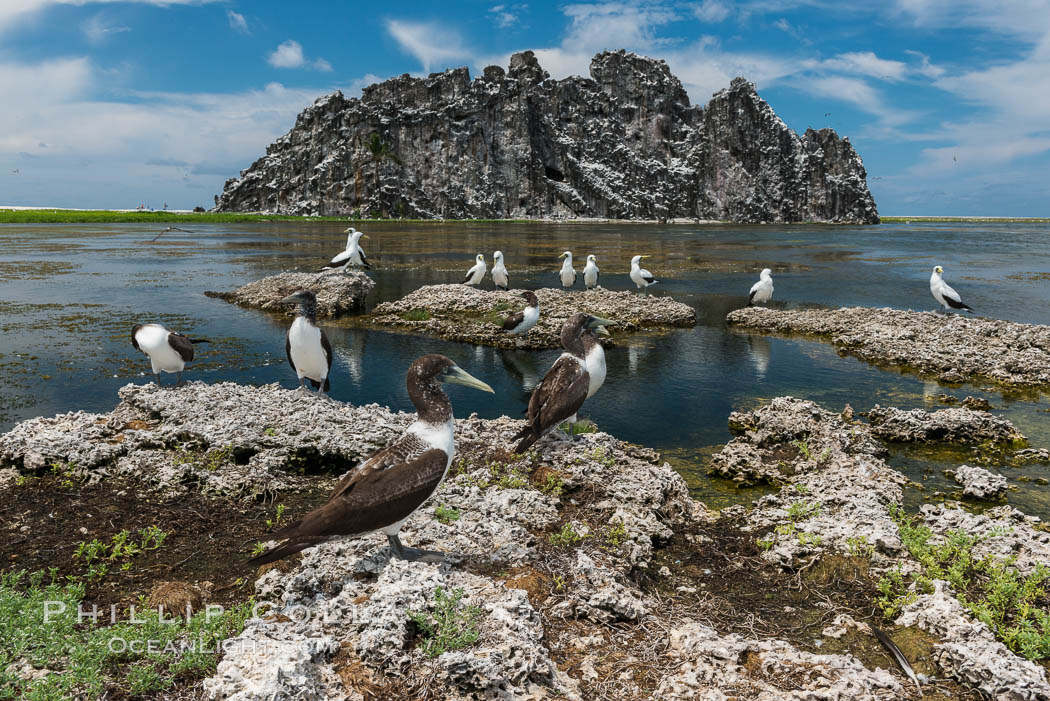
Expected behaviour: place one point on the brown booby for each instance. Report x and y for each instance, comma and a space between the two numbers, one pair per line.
944, 294
520, 322
352, 255
168, 351
307, 347
384, 490
576, 375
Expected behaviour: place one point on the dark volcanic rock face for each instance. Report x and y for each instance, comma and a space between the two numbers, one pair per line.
624, 143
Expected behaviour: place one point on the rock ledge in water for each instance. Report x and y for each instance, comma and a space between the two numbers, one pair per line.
950, 347
337, 292
463, 313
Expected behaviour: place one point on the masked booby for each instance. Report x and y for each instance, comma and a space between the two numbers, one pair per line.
499, 271
945, 295
520, 322
168, 351
307, 346
761, 291
641, 277
477, 273
570, 381
567, 274
352, 255
591, 272
384, 490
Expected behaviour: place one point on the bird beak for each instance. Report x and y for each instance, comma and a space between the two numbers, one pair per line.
290, 299
365, 236
646, 256
599, 326
562, 255
458, 376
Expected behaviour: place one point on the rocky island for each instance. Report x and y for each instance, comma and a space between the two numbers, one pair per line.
463, 313
624, 143
580, 570
337, 292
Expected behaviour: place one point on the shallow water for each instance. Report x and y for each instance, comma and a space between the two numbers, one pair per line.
69, 295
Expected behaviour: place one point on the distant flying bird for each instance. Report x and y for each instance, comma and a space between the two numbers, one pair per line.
168, 351
567, 274
576, 375
352, 255
591, 272
827, 114
384, 490
499, 271
945, 295
15, 171
641, 277
477, 273
166, 230
761, 291
306, 345
520, 322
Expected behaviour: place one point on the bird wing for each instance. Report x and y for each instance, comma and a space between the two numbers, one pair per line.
470, 273
364, 260
288, 347
755, 288
559, 395
181, 345
405, 449
950, 295
341, 259
326, 346
646, 275
134, 331
512, 321
751, 295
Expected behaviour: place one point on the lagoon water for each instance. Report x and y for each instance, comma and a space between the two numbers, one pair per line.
69, 295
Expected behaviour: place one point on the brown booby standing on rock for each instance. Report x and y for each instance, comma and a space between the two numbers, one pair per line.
384, 490
307, 346
352, 255
576, 375
168, 351
520, 322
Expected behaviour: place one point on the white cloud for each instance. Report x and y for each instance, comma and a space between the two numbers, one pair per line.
237, 22
503, 16
12, 11
434, 45
289, 54
711, 11
867, 63
98, 28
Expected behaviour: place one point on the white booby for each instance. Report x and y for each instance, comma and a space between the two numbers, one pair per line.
499, 271
519, 323
352, 255
168, 351
567, 274
761, 291
562, 391
384, 490
307, 346
477, 273
945, 295
641, 277
591, 272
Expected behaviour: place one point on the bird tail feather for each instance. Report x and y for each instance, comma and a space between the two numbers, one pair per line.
199, 340
281, 551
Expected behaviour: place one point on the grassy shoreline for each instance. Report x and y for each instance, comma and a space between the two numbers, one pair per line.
101, 216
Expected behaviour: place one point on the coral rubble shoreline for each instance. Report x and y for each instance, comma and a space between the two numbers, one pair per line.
581, 570
463, 313
952, 348
337, 292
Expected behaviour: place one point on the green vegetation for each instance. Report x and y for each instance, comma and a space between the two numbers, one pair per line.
803, 448
1014, 606
801, 510
416, 315
1033, 220
506, 475
616, 535
567, 536
860, 547
446, 514
89, 660
579, 428
98, 556
602, 457
447, 626
277, 518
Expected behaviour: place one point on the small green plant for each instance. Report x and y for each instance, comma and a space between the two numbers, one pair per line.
258, 549
66, 472
616, 534
271, 431
447, 625
567, 536
122, 548
446, 514
554, 485
803, 448
559, 582
805, 538
858, 546
579, 427
601, 456
801, 488
893, 594
786, 529
277, 517
801, 510
764, 544
416, 315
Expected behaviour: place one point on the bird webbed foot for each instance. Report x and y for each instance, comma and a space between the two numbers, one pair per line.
413, 554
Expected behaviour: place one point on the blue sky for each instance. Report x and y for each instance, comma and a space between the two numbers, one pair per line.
119, 103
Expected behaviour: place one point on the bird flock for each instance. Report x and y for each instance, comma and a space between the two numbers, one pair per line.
387, 487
